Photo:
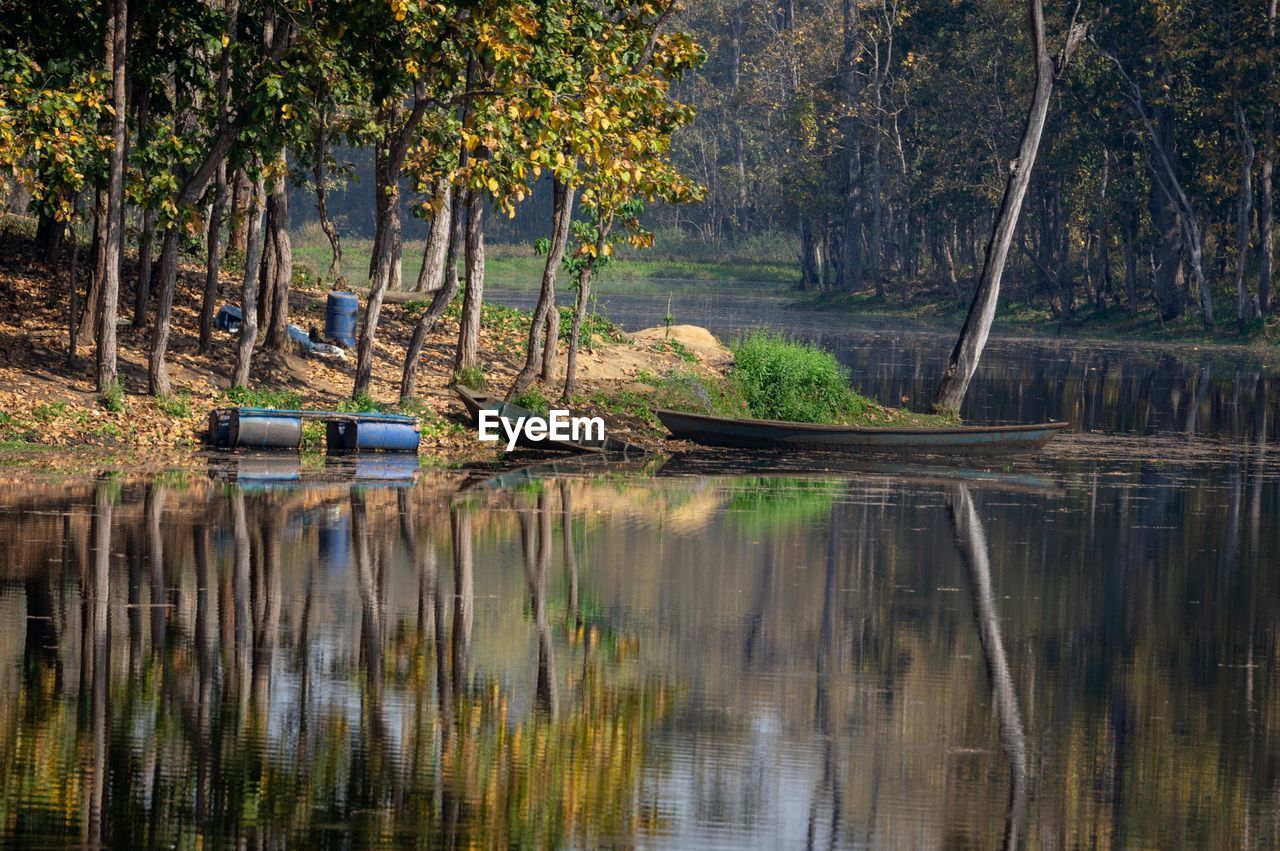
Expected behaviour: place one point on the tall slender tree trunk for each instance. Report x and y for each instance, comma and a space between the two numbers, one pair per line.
146, 234
1266, 221
213, 261
1245, 307
851, 241
389, 164
446, 287
280, 265
875, 234
1131, 260
580, 307
322, 204
238, 226
562, 216
431, 276
948, 259
157, 369
467, 356
249, 286
73, 291
108, 374
982, 311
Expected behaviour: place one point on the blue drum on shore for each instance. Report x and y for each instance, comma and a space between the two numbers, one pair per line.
340, 318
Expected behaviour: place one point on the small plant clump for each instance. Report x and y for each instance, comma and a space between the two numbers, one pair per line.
113, 398
535, 400
470, 376
178, 405
248, 397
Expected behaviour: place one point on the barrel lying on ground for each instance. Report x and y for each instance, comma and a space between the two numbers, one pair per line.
365, 434
267, 428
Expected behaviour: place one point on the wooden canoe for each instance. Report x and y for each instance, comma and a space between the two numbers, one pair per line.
772, 434
475, 401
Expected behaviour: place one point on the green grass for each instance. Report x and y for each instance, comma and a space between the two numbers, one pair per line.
1016, 315
470, 376
765, 260
364, 403
252, 397
535, 400
176, 406
676, 348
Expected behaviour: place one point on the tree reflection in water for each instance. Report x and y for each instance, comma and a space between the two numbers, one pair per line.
630, 661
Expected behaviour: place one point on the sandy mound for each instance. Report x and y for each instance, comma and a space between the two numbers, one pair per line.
688, 347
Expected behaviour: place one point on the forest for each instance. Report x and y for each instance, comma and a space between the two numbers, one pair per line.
876, 142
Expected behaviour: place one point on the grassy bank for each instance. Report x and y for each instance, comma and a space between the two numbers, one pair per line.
772, 377
1021, 318
674, 261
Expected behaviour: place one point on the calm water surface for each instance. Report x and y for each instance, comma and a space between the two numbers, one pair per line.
792, 651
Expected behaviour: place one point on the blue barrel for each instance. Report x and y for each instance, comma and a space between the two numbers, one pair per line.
266, 430
340, 317
355, 436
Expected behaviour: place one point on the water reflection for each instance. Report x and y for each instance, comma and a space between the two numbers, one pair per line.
888, 657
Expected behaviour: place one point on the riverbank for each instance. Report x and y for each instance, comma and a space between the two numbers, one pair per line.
47, 402
1016, 318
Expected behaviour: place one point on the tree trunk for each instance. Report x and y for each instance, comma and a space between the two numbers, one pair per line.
1266, 223
467, 357
948, 258
146, 250
322, 206
1159, 127
249, 287
388, 166
810, 260
89, 319
1245, 308
977, 324
562, 216
157, 370
875, 234
551, 345
280, 247
446, 287
431, 276
580, 308
238, 227
50, 234
1131, 261
851, 241
73, 292
213, 264
109, 294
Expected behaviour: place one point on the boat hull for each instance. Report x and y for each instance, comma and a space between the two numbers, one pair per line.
772, 434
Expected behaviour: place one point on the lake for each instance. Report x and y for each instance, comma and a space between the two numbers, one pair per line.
711, 650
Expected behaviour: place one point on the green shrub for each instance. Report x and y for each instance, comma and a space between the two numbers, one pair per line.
471, 376
249, 397
535, 400
113, 398
364, 403
783, 379
594, 325
175, 406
